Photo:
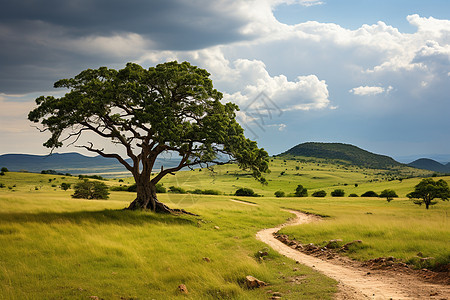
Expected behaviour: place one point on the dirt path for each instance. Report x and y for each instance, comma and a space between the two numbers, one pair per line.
356, 283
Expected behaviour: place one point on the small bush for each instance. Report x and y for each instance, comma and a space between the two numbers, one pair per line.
205, 192
353, 195
300, 191
176, 190
320, 193
338, 193
2, 173
279, 194
246, 192
369, 194
2, 185
160, 188
65, 186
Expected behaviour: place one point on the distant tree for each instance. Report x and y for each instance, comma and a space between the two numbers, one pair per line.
172, 107
320, 193
4, 170
300, 191
91, 190
279, 194
245, 192
427, 190
369, 194
388, 194
65, 186
338, 193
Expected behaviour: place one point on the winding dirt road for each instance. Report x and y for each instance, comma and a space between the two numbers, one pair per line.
356, 283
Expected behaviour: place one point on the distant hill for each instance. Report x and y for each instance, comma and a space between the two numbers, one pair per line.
73, 163
429, 164
343, 152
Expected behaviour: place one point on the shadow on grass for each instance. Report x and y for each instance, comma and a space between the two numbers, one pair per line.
119, 217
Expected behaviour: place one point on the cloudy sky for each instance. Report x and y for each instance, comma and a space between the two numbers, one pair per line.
375, 74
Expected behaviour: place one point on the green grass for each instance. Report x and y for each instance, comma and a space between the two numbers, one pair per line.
56, 247
400, 228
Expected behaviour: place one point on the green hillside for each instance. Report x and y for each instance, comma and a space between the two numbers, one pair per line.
343, 152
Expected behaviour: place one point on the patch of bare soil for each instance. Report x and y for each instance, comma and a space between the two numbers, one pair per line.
381, 278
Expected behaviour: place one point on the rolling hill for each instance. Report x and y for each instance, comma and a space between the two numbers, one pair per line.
343, 152
429, 164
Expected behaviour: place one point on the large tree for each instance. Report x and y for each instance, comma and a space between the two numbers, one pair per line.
427, 190
172, 107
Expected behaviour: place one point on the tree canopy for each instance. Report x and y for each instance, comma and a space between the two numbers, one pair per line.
172, 107
427, 190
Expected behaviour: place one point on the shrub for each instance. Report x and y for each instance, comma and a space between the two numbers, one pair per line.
300, 191
205, 192
160, 188
353, 195
133, 188
279, 194
338, 193
91, 190
2, 173
176, 190
320, 193
2, 185
246, 192
369, 194
65, 186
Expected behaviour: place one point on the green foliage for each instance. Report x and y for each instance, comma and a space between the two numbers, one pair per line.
2, 173
177, 190
369, 194
4, 169
205, 192
427, 190
97, 177
246, 192
51, 172
279, 194
300, 191
320, 193
353, 195
388, 194
338, 193
170, 107
65, 186
2, 185
160, 188
91, 190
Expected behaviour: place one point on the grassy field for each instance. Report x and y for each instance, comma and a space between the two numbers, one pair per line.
56, 247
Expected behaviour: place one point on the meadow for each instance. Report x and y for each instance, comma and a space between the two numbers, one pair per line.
57, 247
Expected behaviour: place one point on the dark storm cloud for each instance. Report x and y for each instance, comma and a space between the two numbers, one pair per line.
35, 36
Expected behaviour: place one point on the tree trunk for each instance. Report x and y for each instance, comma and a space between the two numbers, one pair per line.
146, 199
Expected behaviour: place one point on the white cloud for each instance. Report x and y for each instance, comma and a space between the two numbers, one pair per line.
251, 79
370, 90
